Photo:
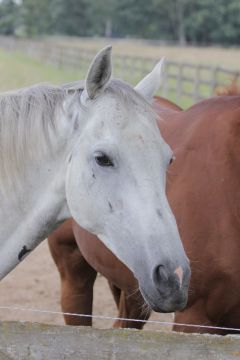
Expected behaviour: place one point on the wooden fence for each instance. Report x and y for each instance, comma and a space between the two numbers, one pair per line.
182, 82
26, 341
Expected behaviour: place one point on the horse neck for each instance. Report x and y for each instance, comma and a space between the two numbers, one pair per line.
29, 216
163, 104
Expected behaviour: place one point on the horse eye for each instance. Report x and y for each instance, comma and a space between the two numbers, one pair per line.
103, 159
171, 160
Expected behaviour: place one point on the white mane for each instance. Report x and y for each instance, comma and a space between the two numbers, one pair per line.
26, 119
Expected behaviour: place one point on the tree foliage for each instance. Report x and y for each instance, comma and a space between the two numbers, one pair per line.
197, 21
8, 17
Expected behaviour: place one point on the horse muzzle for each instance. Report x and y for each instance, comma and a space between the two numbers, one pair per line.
169, 290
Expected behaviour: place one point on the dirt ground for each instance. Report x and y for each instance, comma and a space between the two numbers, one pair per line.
35, 284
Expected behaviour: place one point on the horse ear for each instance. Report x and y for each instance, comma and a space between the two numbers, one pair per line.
99, 73
149, 85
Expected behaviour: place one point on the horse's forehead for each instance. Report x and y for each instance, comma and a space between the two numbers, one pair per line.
115, 105
114, 115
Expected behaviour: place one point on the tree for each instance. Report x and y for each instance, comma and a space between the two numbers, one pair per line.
72, 17
8, 17
211, 22
138, 18
198, 21
102, 15
36, 17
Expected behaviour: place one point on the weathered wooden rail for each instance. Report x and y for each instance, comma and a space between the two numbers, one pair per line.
181, 80
25, 341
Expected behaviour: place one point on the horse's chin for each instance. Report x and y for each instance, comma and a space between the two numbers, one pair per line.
165, 305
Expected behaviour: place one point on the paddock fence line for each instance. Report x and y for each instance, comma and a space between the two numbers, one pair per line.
27, 341
194, 327
182, 82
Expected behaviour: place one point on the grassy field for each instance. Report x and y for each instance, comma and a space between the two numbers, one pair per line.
228, 58
18, 70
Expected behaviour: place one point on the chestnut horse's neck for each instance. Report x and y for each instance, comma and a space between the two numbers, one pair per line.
163, 105
194, 125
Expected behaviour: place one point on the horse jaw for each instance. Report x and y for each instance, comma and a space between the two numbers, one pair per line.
150, 84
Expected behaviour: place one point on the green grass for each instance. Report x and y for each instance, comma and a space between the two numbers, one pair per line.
18, 70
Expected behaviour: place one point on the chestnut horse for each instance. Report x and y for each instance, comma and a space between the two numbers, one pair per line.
203, 191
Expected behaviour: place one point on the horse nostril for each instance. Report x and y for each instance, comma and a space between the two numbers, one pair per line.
160, 275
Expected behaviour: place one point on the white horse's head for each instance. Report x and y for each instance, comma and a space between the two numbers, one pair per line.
116, 182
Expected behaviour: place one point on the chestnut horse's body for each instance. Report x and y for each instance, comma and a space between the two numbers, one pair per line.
78, 276
203, 191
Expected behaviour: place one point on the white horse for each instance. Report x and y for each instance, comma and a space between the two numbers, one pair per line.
92, 151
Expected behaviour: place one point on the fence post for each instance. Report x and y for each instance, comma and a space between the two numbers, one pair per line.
179, 85
60, 56
132, 69
197, 83
121, 66
165, 80
214, 80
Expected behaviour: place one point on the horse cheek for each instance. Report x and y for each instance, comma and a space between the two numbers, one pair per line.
74, 190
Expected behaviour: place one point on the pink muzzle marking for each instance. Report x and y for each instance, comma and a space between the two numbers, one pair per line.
179, 273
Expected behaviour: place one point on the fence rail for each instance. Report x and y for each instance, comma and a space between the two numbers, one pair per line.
182, 82
26, 341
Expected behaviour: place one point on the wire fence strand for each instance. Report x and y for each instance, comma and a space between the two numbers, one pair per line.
104, 317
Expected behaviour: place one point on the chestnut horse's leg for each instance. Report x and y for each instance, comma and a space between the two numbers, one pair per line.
196, 315
77, 276
130, 306
116, 292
